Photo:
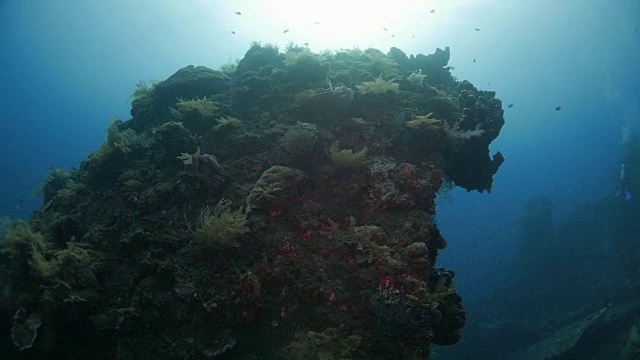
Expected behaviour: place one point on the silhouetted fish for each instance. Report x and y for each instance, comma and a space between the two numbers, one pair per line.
474, 60
285, 31
510, 106
238, 13
317, 22
432, 11
233, 32
558, 108
477, 29
623, 193
385, 29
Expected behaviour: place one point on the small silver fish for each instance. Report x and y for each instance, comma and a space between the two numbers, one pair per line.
238, 13
285, 31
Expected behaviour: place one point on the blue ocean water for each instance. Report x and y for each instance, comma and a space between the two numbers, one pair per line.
68, 67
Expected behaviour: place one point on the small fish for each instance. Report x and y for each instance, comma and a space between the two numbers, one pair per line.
306, 44
393, 36
413, 36
432, 11
510, 106
238, 13
477, 29
233, 32
558, 108
285, 31
385, 29
317, 22
474, 60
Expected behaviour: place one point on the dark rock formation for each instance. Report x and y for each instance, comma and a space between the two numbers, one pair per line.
333, 190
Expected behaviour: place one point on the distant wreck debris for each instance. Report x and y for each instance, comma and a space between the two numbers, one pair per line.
282, 207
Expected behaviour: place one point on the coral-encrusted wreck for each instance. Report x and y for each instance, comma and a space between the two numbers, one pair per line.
282, 208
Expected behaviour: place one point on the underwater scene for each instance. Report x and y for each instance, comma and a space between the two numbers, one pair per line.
277, 179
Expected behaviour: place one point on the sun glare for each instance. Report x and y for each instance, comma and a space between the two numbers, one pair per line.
333, 24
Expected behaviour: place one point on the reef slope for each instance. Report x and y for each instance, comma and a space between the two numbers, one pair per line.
280, 208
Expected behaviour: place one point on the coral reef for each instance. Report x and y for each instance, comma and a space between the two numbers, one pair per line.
201, 107
378, 86
300, 140
276, 188
346, 157
24, 330
228, 122
329, 344
221, 226
327, 253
